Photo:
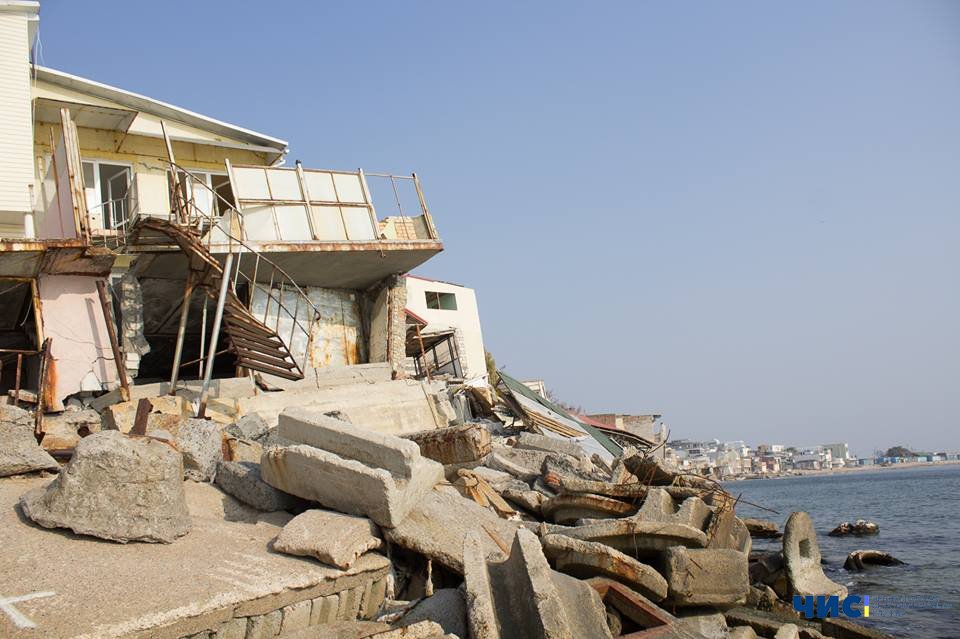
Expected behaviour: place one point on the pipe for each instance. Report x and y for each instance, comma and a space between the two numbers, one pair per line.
215, 334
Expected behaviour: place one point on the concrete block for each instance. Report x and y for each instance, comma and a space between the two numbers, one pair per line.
455, 444
548, 444
639, 538
437, 526
586, 559
333, 538
360, 473
264, 626
295, 616
202, 446
530, 599
801, 555
324, 610
704, 622
350, 604
660, 506
234, 629
446, 607
373, 597
706, 577
19, 451
242, 480
395, 407
377, 450
251, 427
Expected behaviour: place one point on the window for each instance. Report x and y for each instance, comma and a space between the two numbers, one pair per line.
213, 196
441, 301
107, 188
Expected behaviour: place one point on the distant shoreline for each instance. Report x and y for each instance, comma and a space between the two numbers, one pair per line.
844, 470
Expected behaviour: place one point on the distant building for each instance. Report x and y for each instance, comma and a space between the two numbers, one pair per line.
840, 453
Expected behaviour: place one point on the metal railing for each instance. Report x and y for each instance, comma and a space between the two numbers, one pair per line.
185, 212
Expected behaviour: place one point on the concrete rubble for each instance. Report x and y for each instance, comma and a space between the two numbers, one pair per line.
115, 488
460, 528
19, 450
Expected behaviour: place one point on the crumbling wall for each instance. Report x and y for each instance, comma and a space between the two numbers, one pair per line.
133, 343
387, 313
80, 349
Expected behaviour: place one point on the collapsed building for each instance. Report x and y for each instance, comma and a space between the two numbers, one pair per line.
229, 414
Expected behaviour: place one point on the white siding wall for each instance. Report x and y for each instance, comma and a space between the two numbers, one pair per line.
465, 319
16, 129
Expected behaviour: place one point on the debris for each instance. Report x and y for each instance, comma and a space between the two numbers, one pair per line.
19, 450
801, 555
523, 464
201, 443
762, 528
476, 488
860, 559
242, 450
522, 597
860, 528
446, 607
333, 538
660, 506
705, 622
548, 444
586, 559
116, 488
63, 431
436, 527
242, 481
251, 427
846, 629
453, 445
567, 509
639, 538
348, 468
706, 577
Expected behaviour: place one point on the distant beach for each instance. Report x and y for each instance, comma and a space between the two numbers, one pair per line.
844, 470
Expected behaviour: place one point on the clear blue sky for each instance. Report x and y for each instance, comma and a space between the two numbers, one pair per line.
742, 215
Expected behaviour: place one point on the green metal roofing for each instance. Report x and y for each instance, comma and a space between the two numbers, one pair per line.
516, 386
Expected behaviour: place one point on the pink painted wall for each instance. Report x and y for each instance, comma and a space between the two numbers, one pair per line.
73, 318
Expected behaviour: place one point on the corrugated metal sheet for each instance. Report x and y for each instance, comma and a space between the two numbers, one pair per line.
551, 418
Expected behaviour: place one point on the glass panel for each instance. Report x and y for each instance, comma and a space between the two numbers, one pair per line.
359, 226
258, 223
294, 226
327, 222
320, 186
284, 184
251, 184
348, 187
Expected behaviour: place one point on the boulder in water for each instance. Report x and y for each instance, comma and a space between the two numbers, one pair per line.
859, 528
860, 559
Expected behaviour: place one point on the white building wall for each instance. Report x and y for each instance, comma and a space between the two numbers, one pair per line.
16, 122
466, 319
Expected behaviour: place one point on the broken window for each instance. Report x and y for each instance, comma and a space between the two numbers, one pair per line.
441, 301
107, 188
211, 193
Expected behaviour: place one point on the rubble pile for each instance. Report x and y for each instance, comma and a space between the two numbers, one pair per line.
494, 527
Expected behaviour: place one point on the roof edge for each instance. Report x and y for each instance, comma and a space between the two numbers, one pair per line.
157, 107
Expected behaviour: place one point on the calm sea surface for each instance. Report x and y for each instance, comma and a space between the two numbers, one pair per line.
917, 509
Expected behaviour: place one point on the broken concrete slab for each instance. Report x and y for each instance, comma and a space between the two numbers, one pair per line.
19, 450
201, 443
567, 509
242, 481
529, 500
395, 407
166, 413
437, 525
357, 471
530, 600
453, 445
801, 555
706, 577
762, 528
841, 628
767, 623
63, 431
115, 488
586, 559
547, 444
660, 506
242, 450
331, 537
705, 622
523, 464
445, 607
250, 427
639, 538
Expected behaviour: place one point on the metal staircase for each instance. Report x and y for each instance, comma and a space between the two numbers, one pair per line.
257, 346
